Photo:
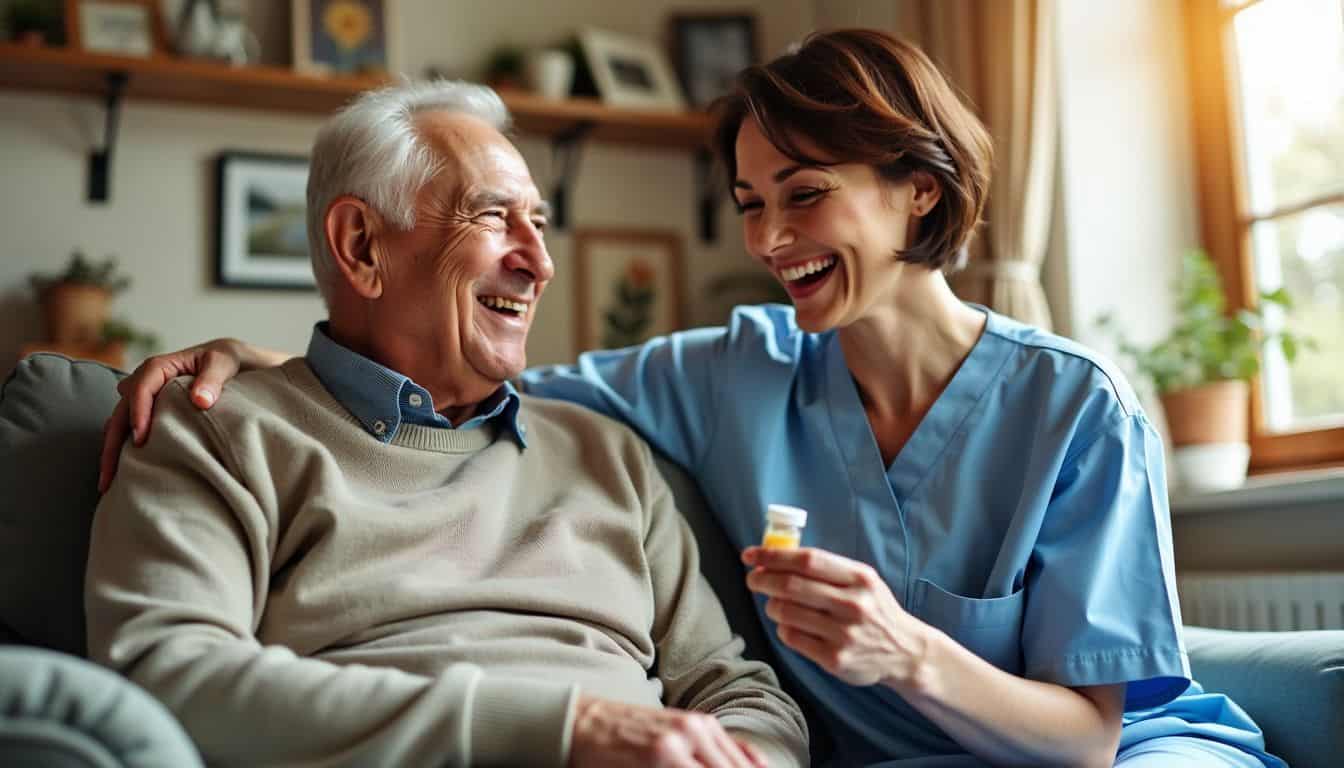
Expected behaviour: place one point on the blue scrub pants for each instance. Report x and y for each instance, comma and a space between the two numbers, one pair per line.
1192, 751
1159, 752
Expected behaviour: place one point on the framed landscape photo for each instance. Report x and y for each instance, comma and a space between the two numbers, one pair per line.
262, 232
709, 51
628, 287
348, 37
630, 72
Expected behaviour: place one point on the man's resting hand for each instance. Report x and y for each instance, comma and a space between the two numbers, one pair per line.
609, 733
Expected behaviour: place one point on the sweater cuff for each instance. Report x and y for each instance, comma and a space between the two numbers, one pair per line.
522, 722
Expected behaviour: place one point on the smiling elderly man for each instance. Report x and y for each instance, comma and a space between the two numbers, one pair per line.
380, 553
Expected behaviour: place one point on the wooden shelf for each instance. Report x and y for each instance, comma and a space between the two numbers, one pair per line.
193, 81
546, 117
163, 78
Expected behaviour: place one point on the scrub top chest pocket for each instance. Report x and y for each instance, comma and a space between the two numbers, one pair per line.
991, 628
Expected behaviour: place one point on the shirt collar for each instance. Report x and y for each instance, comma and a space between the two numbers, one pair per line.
382, 399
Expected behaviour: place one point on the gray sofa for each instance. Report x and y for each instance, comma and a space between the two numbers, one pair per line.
56, 709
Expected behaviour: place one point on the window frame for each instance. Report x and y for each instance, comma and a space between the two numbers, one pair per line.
1226, 219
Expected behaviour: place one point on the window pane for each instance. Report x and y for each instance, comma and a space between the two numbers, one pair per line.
1304, 253
1290, 55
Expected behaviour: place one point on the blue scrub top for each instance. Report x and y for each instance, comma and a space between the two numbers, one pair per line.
1026, 517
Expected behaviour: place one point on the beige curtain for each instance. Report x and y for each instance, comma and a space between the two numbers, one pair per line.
1000, 54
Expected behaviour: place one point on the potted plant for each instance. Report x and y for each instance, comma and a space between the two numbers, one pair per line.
119, 335
504, 67
75, 302
1201, 371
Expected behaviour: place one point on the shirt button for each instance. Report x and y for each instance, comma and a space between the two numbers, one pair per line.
379, 428
416, 400
522, 429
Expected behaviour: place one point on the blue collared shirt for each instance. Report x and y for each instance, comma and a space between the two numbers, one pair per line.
382, 399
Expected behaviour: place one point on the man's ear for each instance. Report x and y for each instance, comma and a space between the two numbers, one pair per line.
349, 226
927, 193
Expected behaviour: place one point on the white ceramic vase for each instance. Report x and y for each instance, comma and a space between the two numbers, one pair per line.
550, 73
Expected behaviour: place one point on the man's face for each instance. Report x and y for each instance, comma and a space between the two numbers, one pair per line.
465, 281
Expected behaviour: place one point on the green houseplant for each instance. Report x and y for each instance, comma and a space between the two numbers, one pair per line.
75, 302
504, 67
120, 332
1201, 371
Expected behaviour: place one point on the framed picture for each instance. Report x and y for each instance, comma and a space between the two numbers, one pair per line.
630, 72
120, 27
262, 231
348, 37
628, 287
709, 51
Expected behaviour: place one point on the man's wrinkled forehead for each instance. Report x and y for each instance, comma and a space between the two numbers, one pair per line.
482, 166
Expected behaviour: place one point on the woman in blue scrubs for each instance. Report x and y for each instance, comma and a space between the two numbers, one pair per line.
987, 573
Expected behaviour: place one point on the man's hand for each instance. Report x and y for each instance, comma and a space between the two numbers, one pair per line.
609, 733
213, 363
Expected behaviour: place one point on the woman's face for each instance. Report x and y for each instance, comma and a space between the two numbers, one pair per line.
829, 234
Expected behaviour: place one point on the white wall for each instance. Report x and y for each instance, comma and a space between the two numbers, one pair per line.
1126, 162
159, 222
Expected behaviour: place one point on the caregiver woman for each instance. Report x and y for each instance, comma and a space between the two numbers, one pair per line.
989, 573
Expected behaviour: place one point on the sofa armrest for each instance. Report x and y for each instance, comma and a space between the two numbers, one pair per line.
60, 710
1290, 683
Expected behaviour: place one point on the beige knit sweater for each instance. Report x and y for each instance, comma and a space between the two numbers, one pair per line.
299, 593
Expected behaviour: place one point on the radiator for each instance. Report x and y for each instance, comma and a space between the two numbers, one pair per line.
1263, 601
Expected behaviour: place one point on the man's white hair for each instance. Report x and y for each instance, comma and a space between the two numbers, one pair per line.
372, 150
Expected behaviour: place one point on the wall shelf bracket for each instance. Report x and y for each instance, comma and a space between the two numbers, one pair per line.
710, 193
100, 160
565, 149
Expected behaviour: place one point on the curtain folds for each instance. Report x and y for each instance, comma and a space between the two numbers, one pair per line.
1000, 54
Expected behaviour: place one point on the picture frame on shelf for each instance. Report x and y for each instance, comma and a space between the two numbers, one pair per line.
343, 37
629, 71
116, 27
261, 224
629, 287
708, 50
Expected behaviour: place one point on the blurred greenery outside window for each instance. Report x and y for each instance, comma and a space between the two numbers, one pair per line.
1282, 63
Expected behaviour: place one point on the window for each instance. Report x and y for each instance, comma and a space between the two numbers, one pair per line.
1267, 89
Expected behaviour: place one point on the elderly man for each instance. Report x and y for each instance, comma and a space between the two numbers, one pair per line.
380, 553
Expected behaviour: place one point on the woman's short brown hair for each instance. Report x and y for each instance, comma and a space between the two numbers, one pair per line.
861, 96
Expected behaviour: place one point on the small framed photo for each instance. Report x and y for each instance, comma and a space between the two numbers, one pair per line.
347, 37
628, 287
630, 72
709, 51
119, 27
262, 229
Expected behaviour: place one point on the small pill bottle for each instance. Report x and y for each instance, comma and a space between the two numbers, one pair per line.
783, 526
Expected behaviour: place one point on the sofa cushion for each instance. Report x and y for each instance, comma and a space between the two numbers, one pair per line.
51, 419
57, 710
1290, 683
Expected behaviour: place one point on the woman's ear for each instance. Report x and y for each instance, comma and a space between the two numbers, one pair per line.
927, 192
349, 226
